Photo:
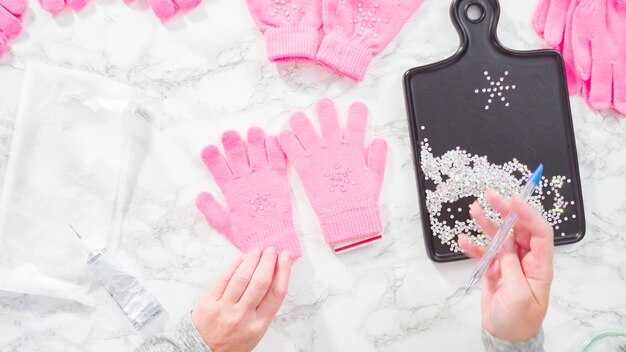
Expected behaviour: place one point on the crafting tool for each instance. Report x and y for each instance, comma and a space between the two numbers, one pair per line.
510, 108
136, 302
500, 236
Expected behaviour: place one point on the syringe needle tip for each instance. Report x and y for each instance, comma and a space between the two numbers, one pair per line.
75, 232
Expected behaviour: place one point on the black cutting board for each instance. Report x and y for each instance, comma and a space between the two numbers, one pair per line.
450, 104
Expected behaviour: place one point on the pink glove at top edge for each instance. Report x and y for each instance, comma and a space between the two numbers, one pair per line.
55, 7
598, 32
257, 191
166, 9
10, 21
358, 30
290, 27
555, 26
342, 185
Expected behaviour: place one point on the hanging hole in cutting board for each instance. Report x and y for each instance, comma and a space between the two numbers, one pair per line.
475, 12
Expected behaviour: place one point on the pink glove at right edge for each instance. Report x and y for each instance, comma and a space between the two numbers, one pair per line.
598, 32
358, 30
552, 21
342, 180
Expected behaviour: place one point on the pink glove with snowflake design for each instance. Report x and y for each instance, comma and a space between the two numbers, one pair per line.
358, 30
257, 192
342, 180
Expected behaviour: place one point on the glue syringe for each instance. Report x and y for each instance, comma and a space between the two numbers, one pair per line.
135, 301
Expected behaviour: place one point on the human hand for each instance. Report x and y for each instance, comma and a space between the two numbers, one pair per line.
516, 287
236, 312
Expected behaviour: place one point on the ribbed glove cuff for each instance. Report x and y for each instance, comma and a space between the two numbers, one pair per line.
350, 222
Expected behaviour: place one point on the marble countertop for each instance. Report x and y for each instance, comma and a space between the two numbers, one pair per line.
205, 72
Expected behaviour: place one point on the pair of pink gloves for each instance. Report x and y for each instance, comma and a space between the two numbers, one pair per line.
341, 178
343, 35
591, 34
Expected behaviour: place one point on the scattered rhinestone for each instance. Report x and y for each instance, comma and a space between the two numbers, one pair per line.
368, 20
459, 175
284, 7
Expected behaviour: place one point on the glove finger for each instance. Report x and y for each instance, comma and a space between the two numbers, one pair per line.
305, 132
4, 46
163, 9
357, 123
257, 149
275, 154
581, 45
574, 83
236, 155
213, 212
377, 158
187, 5
216, 164
54, 7
77, 5
292, 147
9, 24
601, 84
540, 16
619, 86
16, 7
555, 22
329, 122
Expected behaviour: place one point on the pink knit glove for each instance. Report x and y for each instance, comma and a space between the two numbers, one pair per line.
357, 30
55, 7
598, 32
550, 19
10, 21
257, 192
166, 9
553, 22
291, 27
341, 184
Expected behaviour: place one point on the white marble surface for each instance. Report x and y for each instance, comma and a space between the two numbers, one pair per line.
206, 72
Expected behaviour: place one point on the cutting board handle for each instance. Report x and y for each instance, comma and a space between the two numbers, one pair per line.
478, 33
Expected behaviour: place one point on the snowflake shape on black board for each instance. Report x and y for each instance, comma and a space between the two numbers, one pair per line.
496, 89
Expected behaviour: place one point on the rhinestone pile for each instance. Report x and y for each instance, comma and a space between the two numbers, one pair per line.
459, 175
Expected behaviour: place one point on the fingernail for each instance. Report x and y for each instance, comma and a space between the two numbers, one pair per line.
270, 250
257, 250
284, 256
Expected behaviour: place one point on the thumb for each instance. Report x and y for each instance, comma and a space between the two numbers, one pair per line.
213, 212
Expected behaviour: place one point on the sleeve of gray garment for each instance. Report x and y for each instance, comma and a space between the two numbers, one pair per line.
183, 338
493, 344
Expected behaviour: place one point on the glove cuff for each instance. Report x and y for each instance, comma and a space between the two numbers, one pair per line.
345, 55
280, 234
291, 41
350, 222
